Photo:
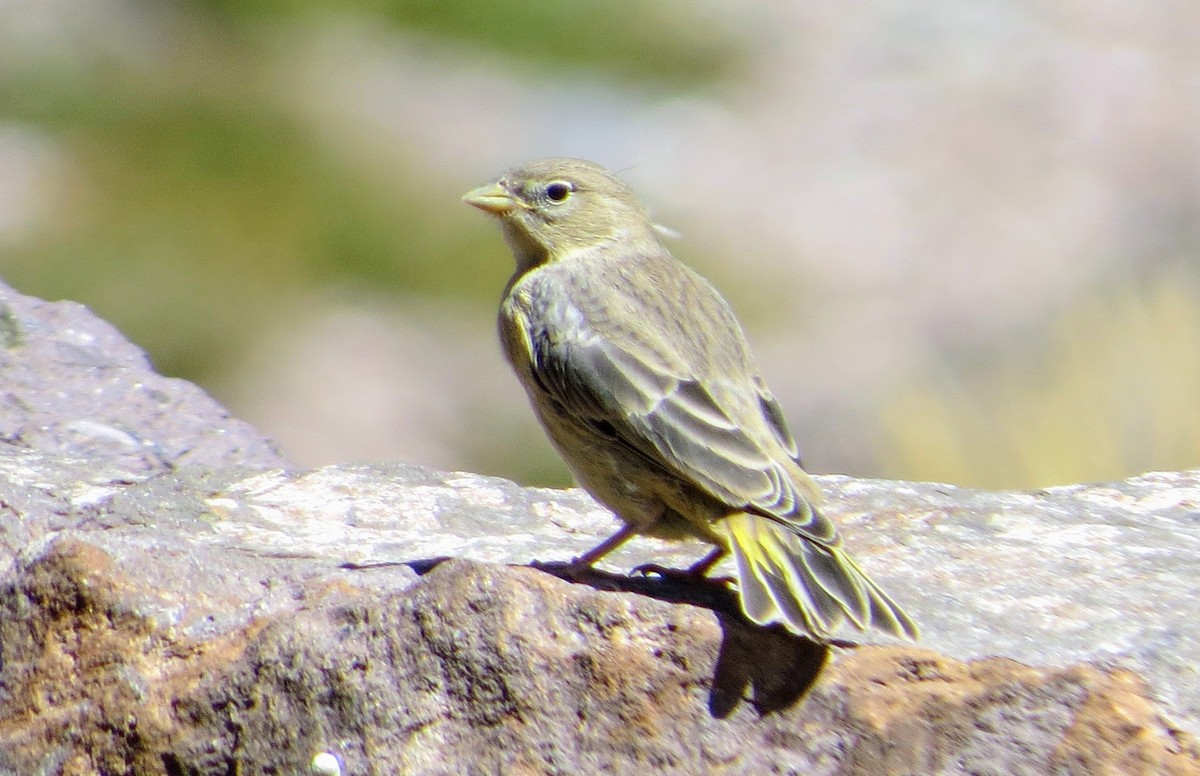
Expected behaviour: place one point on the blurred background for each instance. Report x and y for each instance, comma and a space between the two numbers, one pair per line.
963, 234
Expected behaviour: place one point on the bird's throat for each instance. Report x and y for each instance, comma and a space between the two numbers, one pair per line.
527, 252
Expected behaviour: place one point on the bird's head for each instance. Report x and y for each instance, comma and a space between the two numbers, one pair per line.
552, 209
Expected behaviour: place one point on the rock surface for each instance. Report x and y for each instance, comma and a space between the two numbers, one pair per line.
174, 600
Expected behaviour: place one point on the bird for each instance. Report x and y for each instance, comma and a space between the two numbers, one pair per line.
643, 380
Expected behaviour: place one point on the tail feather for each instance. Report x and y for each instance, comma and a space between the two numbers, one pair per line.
775, 586
810, 588
849, 591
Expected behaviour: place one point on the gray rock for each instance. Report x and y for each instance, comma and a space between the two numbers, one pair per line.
173, 602
73, 386
1107, 573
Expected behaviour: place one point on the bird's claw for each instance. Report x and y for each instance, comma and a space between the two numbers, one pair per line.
693, 574
646, 569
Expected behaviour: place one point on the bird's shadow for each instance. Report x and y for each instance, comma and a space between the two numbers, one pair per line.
767, 667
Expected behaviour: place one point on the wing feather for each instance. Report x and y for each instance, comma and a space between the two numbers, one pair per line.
718, 433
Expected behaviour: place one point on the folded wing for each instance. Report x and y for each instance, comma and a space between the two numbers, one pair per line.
723, 433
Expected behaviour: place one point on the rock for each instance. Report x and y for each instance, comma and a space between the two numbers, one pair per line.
173, 601
73, 386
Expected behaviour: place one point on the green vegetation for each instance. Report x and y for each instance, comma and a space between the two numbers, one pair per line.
195, 201
635, 40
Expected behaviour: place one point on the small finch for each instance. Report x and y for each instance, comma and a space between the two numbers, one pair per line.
642, 378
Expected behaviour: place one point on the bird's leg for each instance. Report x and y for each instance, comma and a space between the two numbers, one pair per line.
605, 547
585, 561
701, 567
693, 572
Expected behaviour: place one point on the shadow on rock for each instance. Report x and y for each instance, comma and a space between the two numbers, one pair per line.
421, 566
769, 668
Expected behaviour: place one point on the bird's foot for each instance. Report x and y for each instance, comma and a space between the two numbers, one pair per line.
646, 569
690, 574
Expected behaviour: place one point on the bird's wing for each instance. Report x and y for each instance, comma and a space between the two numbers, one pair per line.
775, 420
725, 434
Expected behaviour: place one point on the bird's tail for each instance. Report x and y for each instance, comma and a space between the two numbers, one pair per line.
809, 588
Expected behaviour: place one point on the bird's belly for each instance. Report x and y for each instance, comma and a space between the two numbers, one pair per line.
652, 501
614, 476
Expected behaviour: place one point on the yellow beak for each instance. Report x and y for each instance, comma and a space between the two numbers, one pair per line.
492, 198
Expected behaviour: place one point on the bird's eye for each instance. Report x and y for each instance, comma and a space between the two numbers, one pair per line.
559, 191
